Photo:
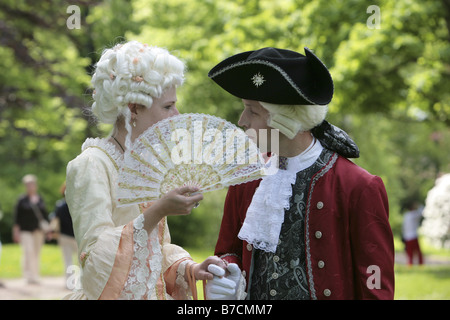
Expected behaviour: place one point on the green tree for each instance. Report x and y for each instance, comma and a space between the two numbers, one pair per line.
391, 83
44, 87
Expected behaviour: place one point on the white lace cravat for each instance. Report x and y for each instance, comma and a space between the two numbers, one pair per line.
265, 215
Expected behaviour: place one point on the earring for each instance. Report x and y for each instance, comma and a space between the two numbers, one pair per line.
134, 123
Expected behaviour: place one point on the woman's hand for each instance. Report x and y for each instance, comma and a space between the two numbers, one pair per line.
176, 202
201, 269
179, 201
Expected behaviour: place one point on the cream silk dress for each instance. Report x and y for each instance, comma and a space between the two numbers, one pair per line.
118, 258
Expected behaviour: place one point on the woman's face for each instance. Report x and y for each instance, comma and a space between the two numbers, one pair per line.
162, 108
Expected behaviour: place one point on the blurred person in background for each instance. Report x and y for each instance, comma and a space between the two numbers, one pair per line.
411, 222
30, 218
63, 231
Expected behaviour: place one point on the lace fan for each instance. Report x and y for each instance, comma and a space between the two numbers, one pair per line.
188, 149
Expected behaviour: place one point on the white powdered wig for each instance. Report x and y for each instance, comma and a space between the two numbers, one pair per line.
292, 119
132, 72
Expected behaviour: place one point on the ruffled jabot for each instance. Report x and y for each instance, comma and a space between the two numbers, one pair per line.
265, 215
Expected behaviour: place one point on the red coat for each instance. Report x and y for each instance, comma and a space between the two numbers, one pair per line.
348, 240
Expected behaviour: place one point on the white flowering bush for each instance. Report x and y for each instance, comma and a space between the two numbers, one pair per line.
436, 225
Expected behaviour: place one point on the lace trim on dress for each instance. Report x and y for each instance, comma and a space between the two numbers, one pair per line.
181, 282
103, 144
146, 265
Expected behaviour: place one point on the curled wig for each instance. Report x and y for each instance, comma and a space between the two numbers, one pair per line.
292, 119
132, 72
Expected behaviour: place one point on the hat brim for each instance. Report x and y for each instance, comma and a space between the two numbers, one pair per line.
323, 80
262, 80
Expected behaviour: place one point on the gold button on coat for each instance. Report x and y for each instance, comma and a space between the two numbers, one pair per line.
318, 234
320, 264
319, 205
327, 292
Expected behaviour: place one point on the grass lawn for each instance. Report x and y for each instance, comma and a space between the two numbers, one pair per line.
428, 282
416, 282
10, 261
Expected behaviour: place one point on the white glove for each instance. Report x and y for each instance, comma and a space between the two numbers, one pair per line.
235, 274
223, 288
220, 287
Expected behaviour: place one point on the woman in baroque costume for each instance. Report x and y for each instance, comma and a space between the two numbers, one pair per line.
125, 252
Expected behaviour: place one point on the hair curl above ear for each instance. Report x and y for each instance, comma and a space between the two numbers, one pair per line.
292, 119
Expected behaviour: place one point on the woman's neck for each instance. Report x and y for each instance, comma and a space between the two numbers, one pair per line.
118, 137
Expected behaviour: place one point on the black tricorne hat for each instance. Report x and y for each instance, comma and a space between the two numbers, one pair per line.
275, 76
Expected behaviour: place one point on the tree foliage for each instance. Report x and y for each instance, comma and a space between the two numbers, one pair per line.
391, 83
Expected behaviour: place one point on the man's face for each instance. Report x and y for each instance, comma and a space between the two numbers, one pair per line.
254, 121
31, 187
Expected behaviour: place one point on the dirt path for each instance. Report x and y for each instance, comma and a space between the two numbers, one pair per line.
49, 288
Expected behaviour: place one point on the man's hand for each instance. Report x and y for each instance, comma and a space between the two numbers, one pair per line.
223, 287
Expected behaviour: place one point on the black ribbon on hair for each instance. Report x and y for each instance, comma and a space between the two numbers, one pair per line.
335, 139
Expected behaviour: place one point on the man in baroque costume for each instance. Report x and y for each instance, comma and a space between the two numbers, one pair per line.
317, 228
